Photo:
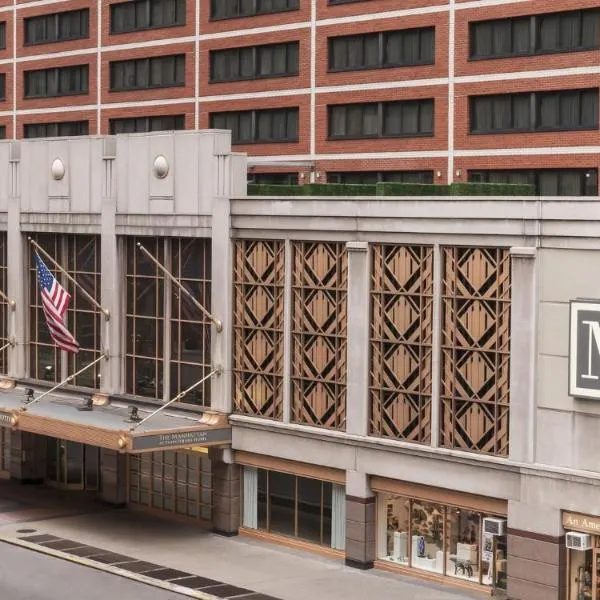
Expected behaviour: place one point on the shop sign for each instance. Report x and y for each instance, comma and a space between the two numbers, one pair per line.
583, 523
181, 439
5, 419
584, 349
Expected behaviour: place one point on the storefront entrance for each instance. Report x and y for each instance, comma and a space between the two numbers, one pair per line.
583, 558
71, 465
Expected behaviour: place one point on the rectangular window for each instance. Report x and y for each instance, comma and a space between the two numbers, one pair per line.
535, 111
58, 81
406, 118
2, 132
57, 27
254, 62
146, 14
232, 9
64, 129
536, 34
273, 178
145, 124
548, 182
258, 126
147, 73
382, 50
370, 177
2, 35
2, 86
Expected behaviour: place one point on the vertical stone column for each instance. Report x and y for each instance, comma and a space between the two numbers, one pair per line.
16, 276
113, 471
537, 557
27, 457
357, 394
523, 326
226, 494
360, 521
111, 280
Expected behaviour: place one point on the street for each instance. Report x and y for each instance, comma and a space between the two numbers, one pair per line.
28, 575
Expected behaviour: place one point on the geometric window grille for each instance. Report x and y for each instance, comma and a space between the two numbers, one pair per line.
319, 333
476, 291
258, 284
401, 342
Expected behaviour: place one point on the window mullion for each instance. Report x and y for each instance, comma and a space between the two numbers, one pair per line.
167, 325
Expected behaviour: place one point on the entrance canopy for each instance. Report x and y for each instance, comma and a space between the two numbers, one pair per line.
108, 426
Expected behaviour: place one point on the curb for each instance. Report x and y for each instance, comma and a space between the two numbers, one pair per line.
86, 562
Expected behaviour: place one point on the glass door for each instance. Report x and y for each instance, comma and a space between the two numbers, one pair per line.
596, 574
64, 464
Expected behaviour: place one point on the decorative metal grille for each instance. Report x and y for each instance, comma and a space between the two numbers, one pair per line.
475, 349
319, 333
401, 342
258, 282
4, 309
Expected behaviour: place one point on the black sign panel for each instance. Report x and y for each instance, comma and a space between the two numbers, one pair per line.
182, 439
584, 349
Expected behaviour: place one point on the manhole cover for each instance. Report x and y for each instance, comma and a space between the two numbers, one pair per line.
26, 530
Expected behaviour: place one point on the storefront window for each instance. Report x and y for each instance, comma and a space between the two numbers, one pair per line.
300, 507
442, 539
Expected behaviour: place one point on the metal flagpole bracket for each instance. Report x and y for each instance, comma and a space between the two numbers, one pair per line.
215, 371
93, 300
33, 400
11, 303
216, 322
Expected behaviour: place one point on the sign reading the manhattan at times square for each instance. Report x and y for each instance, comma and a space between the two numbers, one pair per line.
584, 349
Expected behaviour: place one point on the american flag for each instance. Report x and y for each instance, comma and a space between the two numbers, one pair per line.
55, 301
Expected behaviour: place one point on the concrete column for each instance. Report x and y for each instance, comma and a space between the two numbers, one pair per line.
113, 472
287, 332
226, 495
27, 457
221, 294
537, 557
357, 394
523, 325
111, 280
16, 287
360, 521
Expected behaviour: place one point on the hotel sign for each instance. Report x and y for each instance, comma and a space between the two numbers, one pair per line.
584, 349
583, 523
181, 439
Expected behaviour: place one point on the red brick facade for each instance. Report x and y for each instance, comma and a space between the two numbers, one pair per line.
448, 156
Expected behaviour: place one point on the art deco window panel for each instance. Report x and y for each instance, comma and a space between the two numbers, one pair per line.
319, 333
79, 255
168, 339
476, 295
4, 309
258, 284
401, 342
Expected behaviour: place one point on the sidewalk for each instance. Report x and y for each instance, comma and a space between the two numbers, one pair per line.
268, 569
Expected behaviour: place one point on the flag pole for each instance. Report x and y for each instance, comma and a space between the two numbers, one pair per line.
69, 378
180, 395
104, 311
217, 322
6, 299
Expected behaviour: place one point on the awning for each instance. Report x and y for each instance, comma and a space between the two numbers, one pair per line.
60, 416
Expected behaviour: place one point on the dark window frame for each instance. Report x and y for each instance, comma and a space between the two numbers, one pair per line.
392, 176
255, 115
382, 38
2, 35
255, 12
181, 16
255, 51
178, 118
148, 61
83, 124
84, 14
57, 72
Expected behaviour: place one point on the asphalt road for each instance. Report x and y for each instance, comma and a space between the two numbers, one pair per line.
29, 575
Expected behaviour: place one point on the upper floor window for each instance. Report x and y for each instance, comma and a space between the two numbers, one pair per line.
57, 81
380, 50
2, 35
405, 118
258, 126
57, 27
254, 62
536, 34
144, 124
371, 177
144, 73
535, 111
66, 128
146, 14
230, 9
2, 86
273, 178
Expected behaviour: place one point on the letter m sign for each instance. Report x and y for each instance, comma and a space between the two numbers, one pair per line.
584, 349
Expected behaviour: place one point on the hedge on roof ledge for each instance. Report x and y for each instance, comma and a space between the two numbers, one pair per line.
392, 189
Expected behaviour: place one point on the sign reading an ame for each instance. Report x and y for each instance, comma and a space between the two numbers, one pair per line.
584, 349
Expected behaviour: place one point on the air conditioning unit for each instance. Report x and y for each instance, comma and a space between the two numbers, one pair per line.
494, 526
578, 541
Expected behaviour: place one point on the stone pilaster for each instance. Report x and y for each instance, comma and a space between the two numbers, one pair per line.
360, 521
114, 477
226, 480
27, 457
